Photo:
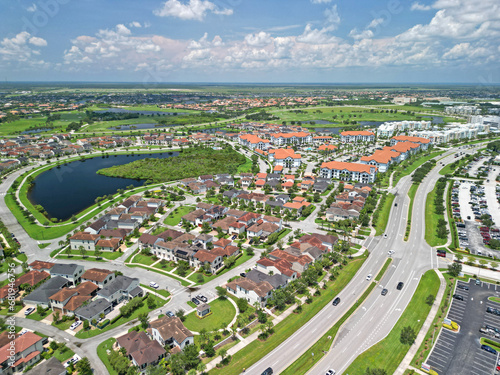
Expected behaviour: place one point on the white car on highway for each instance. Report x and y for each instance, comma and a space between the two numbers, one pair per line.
369, 277
391, 252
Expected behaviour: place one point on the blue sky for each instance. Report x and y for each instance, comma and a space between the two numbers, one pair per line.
323, 41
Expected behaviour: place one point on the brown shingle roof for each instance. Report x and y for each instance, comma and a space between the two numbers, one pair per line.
96, 274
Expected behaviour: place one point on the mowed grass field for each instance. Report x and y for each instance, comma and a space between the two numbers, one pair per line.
348, 113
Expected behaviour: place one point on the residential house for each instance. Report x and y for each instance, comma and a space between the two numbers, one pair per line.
41, 295
86, 240
141, 350
94, 309
120, 289
72, 272
98, 276
22, 352
170, 331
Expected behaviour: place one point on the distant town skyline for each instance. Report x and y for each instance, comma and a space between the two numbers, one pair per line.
258, 41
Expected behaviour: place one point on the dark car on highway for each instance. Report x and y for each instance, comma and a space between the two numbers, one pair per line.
400, 285
268, 371
336, 301
384, 292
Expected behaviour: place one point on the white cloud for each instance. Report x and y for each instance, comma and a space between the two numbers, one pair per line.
417, 6
320, 1
332, 16
355, 34
32, 8
134, 24
375, 22
193, 10
259, 39
39, 42
18, 51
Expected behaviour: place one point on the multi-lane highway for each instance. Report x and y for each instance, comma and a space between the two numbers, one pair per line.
378, 314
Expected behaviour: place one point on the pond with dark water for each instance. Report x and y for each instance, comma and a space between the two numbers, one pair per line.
71, 188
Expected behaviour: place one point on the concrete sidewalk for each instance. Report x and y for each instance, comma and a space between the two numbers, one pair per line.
405, 363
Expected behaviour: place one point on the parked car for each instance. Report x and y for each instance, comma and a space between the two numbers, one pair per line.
488, 349
478, 282
336, 301
458, 297
152, 284
170, 314
29, 310
243, 274
233, 237
75, 325
400, 285
462, 286
202, 298
195, 301
384, 291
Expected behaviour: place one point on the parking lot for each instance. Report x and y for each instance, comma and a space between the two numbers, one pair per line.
461, 353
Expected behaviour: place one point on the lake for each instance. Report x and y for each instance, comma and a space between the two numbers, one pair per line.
74, 186
145, 113
137, 126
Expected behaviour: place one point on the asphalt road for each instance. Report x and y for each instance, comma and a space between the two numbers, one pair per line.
378, 314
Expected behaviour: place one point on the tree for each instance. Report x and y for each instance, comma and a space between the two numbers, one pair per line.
229, 261
408, 335
430, 299
454, 269
68, 251
97, 252
180, 315
83, 366
221, 292
151, 301
86, 324
223, 353
82, 250
242, 304
40, 310
144, 319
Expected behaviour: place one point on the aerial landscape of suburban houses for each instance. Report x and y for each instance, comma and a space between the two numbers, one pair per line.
300, 187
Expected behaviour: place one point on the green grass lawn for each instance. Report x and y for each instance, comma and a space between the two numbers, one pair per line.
6, 311
388, 353
160, 291
43, 245
110, 255
63, 326
160, 266
175, 217
258, 349
431, 221
494, 299
79, 257
35, 316
101, 352
384, 212
223, 312
383, 269
147, 260
411, 193
64, 356
22, 257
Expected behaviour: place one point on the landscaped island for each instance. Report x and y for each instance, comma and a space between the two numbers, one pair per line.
191, 162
